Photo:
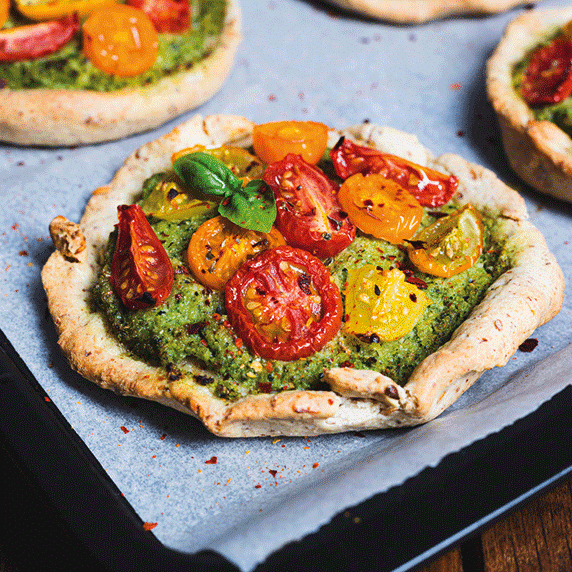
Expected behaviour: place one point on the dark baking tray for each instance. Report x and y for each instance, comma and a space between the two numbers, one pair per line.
396, 530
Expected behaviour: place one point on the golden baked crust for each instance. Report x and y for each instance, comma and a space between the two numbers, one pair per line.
54, 117
526, 296
418, 11
538, 151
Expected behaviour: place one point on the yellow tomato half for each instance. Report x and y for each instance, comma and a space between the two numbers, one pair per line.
169, 200
450, 245
381, 303
242, 163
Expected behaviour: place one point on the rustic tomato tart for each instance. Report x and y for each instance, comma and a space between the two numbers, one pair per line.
353, 281
529, 83
84, 71
418, 11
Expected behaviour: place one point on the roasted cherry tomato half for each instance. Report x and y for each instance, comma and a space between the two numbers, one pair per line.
381, 305
169, 200
49, 9
141, 271
309, 215
380, 207
120, 40
219, 248
242, 163
450, 245
36, 40
273, 141
548, 77
168, 16
283, 304
431, 188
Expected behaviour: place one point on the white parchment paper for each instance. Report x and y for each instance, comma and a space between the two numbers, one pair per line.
298, 60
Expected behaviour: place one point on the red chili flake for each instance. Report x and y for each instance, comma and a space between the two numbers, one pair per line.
124, 429
315, 465
163, 436
346, 364
211, 461
257, 486
238, 343
196, 327
23, 253
456, 86
271, 97
269, 367
528, 345
149, 525
273, 472
417, 281
46, 398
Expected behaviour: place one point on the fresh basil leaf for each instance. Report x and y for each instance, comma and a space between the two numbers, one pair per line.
207, 174
252, 206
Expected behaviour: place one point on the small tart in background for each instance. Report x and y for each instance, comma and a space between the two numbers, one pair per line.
418, 11
535, 129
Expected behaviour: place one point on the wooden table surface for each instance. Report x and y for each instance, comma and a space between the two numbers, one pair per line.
535, 538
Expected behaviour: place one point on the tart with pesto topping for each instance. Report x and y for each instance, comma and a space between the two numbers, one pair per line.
529, 83
292, 279
78, 72
418, 11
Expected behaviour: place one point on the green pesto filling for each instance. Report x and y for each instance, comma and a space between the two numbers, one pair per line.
192, 323
68, 68
559, 113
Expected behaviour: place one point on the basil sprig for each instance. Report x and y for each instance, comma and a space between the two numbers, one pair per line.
252, 206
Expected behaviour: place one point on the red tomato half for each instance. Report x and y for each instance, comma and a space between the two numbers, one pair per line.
429, 187
141, 271
309, 215
283, 304
171, 16
37, 40
548, 77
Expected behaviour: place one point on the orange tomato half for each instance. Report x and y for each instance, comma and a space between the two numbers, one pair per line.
219, 248
273, 141
120, 40
380, 207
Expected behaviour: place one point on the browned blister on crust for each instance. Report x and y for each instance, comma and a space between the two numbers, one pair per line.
538, 151
523, 298
54, 117
418, 11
